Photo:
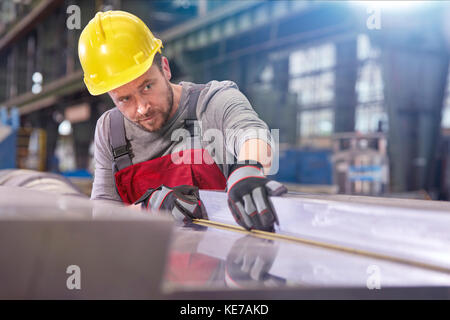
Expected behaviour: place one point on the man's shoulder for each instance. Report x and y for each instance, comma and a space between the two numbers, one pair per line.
215, 87
103, 121
216, 92
212, 87
103, 126
104, 118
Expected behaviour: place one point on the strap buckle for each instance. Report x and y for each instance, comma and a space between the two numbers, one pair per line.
120, 151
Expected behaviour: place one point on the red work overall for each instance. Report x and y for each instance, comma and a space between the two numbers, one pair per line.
133, 180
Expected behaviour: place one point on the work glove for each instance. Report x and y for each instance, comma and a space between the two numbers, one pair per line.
248, 196
182, 201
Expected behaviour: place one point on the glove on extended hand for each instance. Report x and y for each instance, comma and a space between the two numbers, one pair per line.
248, 196
182, 201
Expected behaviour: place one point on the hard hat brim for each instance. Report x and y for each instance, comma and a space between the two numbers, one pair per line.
119, 80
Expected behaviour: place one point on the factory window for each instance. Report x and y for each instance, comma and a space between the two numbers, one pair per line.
316, 122
311, 73
371, 118
312, 59
266, 77
445, 123
370, 113
313, 90
369, 86
365, 50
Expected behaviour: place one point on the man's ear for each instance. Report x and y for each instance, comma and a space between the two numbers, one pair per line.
166, 68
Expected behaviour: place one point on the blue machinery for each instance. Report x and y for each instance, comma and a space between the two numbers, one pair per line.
9, 123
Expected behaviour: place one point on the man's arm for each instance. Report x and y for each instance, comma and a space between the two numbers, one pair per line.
227, 110
248, 138
257, 150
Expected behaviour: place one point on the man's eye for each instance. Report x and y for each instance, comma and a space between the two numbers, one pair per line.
123, 100
148, 87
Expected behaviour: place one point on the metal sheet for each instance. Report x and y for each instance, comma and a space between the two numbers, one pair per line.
43, 234
416, 231
206, 258
220, 259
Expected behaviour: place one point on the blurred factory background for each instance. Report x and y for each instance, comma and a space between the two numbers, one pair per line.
359, 90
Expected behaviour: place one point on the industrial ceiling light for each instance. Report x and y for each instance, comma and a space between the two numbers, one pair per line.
65, 128
37, 82
36, 88
37, 77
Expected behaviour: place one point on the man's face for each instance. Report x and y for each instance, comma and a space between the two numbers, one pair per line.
147, 100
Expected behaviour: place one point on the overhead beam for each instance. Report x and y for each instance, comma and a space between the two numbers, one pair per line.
28, 22
60, 87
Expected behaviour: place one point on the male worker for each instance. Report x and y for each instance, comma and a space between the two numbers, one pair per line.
137, 158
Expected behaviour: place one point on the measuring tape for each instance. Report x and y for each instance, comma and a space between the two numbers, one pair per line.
277, 236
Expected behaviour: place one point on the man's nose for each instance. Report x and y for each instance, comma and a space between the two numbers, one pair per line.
143, 106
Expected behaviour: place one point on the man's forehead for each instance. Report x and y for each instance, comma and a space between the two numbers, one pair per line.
149, 75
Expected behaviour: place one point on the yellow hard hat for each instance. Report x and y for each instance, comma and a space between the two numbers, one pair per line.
115, 48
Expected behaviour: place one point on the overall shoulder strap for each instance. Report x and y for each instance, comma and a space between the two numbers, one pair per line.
120, 149
192, 108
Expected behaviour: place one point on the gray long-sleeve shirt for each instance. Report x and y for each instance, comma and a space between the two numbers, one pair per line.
221, 108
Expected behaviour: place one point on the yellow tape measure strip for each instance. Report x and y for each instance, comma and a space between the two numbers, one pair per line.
277, 236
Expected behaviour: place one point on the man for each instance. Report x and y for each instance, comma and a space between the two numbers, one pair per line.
137, 158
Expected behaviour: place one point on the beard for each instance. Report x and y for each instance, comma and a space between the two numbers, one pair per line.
158, 118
